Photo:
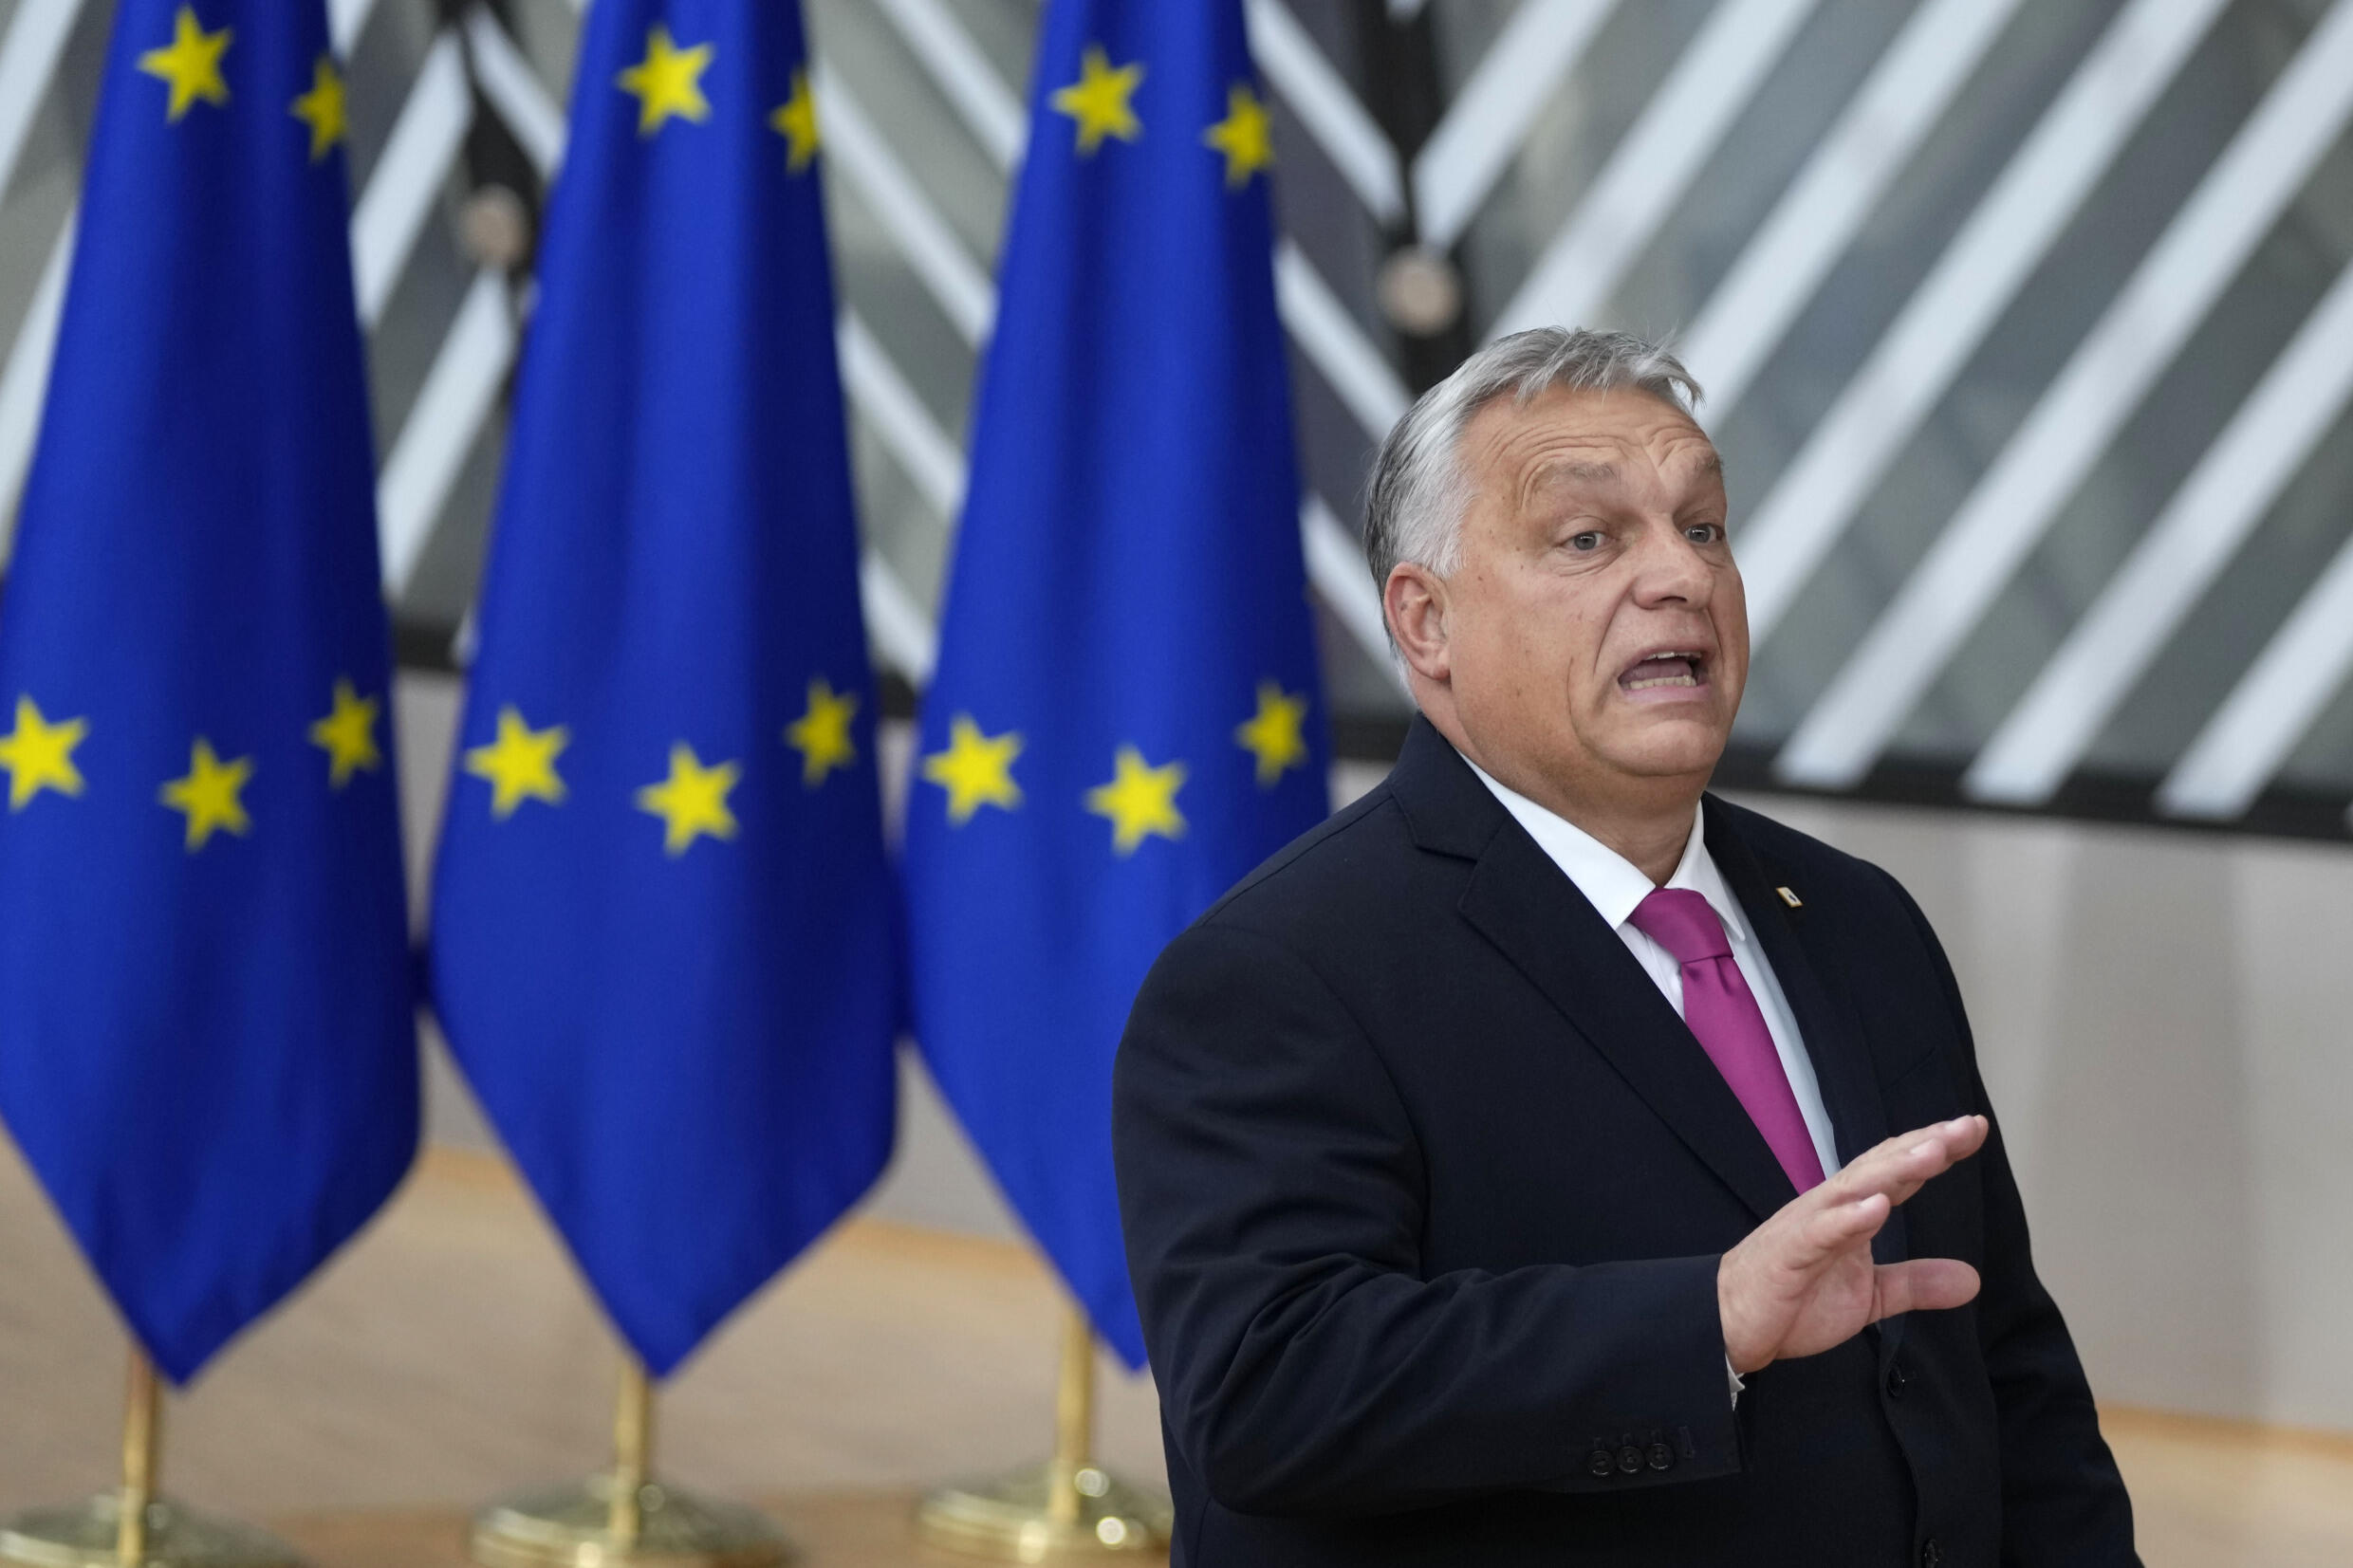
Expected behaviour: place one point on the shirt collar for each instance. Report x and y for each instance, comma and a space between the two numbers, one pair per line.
1610, 882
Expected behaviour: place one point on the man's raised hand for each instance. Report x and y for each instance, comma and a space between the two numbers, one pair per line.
1803, 1280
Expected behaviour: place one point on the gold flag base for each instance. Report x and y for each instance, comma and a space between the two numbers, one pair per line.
571, 1526
131, 1526
623, 1515
89, 1535
1014, 1519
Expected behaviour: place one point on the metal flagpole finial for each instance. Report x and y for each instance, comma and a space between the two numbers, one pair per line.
134, 1525
623, 1514
1066, 1509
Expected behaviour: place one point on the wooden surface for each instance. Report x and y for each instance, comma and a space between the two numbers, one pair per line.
450, 1356
2232, 1495
2214, 1494
855, 1530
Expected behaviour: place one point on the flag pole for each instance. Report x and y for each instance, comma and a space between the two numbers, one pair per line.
1067, 1509
632, 1444
1074, 1419
142, 1442
133, 1525
623, 1514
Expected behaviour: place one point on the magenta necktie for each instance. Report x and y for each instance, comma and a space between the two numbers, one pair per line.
1720, 1009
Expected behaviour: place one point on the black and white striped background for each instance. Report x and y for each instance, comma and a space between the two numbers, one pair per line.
2027, 327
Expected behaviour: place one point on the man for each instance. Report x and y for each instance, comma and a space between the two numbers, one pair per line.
1507, 1167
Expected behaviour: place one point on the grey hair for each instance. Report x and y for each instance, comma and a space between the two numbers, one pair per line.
1414, 507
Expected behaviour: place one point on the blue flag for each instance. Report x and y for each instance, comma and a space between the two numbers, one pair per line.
662, 924
206, 1026
1124, 718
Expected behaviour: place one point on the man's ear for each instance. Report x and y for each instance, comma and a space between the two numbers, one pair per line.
1414, 601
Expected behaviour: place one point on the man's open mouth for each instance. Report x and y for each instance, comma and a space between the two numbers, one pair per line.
1668, 667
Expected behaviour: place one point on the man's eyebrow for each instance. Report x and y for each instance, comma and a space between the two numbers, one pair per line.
1601, 471
1592, 471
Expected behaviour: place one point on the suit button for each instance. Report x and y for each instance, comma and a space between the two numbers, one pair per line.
1896, 1381
1630, 1460
1931, 1554
1601, 1463
1662, 1457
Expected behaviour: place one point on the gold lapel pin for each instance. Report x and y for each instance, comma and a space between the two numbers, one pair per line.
1791, 899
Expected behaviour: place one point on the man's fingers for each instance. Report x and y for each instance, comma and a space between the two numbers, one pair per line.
1949, 1142
1923, 1284
1836, 1229
1849, 1209
1964, 1135
1904, 1164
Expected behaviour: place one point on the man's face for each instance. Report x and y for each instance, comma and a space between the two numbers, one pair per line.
1595, 639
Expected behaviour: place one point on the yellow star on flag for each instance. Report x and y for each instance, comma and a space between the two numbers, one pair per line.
1273, 734
190, 63
322, 108
1242, 135
975, 770
668, 81
208, 795
692, 802
796, 122
347, 736
1098, 99
822, 735
38, 755
520, 763
1140, 799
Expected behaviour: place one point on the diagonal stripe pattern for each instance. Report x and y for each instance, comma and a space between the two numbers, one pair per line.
2212, 514
2014, 505
1919, 357
1763, 339
1651, 169
1483, 127
1816, 218
2274, 702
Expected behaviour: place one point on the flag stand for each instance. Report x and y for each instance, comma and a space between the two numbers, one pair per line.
134, 1527
1068, 1507
623, 1514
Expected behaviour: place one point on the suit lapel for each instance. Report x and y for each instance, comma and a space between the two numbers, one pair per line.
1520, 902
1810, 978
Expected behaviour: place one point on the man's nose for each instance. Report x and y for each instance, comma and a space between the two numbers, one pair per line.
1669, 569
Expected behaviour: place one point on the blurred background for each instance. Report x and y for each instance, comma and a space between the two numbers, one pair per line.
2027, 329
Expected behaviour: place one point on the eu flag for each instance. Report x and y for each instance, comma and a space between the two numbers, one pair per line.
1124, 719
207, 1035
663, 925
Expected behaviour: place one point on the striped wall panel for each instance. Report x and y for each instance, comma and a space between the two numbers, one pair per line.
2028, 329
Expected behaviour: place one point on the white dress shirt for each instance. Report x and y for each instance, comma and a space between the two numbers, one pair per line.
1614, 885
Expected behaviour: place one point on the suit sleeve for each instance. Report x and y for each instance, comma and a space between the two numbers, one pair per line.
1272, 1194
2063, 1499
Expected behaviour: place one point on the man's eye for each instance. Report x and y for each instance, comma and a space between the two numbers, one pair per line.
1588, 541
1705, 533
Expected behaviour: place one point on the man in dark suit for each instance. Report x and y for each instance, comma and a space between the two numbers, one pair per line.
1507, 1166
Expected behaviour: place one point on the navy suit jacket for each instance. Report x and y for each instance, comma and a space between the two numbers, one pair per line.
1425, 1184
